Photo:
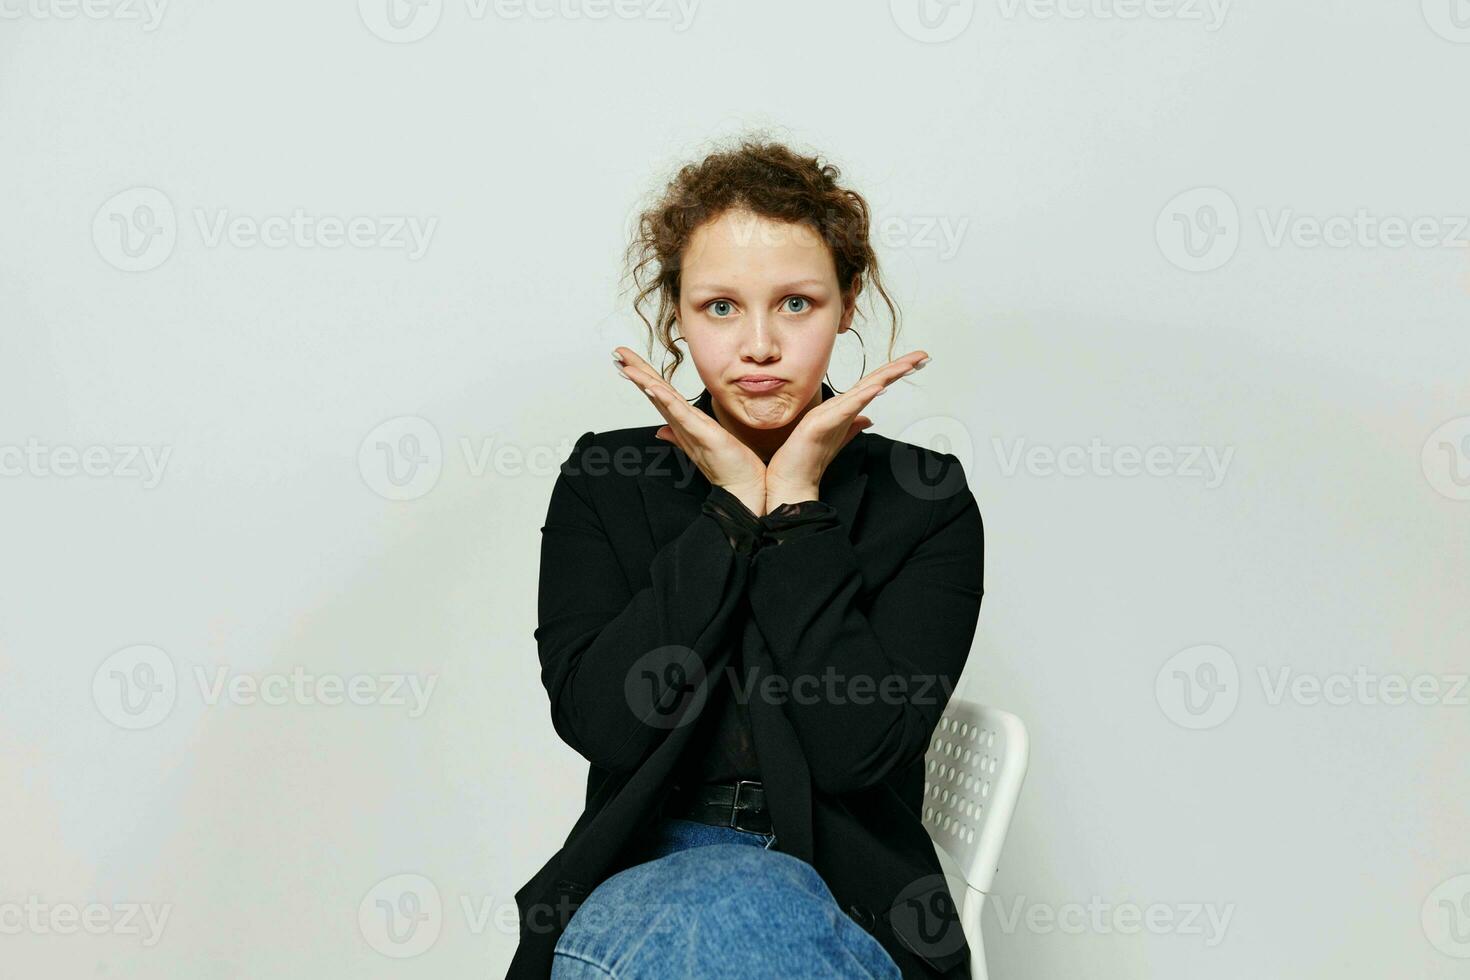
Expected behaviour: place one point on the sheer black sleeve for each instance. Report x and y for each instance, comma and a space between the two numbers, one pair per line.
742, 528
796, 520
748, 533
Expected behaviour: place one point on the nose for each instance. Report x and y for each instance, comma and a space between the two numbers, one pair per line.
759, 343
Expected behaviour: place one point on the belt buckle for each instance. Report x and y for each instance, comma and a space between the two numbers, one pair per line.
735, 803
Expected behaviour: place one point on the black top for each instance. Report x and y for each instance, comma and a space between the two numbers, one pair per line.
630, 564
722, 749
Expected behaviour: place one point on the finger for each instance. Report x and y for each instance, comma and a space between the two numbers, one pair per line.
873, 384
632, 362
641, 373
669, 402
638, 372
846, 406
893, 370
686, 424
635, 368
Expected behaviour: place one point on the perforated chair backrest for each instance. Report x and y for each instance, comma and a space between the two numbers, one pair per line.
973, 771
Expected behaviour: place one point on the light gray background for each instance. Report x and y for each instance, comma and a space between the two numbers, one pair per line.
1053, 148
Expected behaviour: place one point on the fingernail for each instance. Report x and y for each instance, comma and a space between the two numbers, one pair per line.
624, 373
618, 357
921, 364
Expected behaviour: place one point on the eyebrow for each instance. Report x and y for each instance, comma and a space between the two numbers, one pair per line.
720, 288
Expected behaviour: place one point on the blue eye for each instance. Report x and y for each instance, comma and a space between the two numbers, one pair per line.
721, 307
806, 304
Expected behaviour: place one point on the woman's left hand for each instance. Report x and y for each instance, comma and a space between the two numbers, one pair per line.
794, 472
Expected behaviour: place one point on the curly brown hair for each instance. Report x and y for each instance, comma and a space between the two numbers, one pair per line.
770, 180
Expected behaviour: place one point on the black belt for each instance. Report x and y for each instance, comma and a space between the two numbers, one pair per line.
741, 805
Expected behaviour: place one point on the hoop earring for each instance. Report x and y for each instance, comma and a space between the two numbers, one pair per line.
861, 374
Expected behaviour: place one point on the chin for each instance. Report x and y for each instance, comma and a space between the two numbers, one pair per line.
767, 411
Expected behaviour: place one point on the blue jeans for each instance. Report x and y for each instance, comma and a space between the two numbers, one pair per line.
708, 901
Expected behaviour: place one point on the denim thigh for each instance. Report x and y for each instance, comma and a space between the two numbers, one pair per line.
709, 904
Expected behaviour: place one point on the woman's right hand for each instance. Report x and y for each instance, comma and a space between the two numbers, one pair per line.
723, 459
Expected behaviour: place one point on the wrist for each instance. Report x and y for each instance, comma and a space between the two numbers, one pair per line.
792, 494
752, 495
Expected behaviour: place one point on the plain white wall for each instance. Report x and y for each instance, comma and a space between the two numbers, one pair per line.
1035, 174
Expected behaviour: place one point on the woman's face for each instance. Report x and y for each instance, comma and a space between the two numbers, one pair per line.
760, 299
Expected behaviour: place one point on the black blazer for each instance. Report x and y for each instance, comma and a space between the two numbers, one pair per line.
642, 606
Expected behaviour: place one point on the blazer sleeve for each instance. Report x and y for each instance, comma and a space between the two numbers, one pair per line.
893, 662
619, 665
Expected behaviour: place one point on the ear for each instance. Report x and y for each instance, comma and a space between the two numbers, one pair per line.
849, 305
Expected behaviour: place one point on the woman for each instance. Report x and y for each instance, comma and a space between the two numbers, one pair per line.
751, 617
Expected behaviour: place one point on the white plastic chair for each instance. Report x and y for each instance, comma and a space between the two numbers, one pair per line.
972, 776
